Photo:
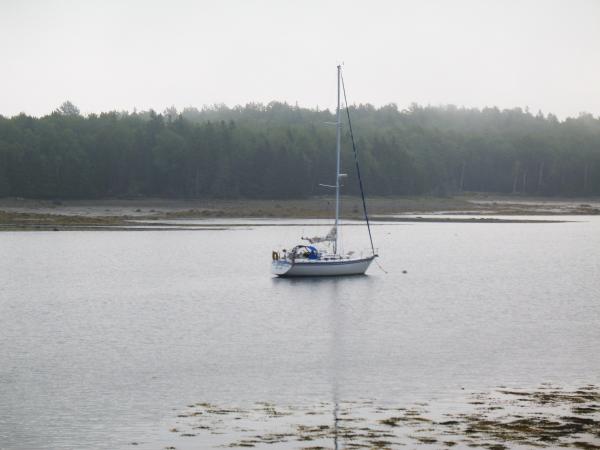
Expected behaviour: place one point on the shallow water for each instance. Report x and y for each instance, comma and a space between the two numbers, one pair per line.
106, 336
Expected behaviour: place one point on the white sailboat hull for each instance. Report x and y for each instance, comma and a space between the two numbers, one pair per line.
320, 268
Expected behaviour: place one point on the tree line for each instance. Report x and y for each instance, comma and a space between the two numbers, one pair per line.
283, 151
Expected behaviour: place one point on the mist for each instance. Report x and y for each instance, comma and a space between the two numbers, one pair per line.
142, 55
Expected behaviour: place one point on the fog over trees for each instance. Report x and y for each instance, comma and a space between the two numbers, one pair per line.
280, 151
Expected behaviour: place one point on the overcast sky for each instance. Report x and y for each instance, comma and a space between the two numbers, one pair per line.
117, 54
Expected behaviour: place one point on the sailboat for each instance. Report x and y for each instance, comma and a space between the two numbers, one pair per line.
321, 255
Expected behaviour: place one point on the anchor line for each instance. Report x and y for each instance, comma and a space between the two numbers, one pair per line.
381, 267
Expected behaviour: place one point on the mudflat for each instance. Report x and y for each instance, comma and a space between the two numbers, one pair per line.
31, 214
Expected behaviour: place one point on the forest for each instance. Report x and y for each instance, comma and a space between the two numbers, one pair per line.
284, 151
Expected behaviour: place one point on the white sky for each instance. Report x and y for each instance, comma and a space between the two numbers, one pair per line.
117, 54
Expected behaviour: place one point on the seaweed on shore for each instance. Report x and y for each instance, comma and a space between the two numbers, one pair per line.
547, 417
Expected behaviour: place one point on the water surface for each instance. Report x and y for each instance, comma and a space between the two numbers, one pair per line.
105, 336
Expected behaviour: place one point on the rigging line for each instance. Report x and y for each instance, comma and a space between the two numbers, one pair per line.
360, 183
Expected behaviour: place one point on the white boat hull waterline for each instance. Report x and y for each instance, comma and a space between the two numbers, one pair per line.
285, 268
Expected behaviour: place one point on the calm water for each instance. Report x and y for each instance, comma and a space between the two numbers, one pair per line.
105, 336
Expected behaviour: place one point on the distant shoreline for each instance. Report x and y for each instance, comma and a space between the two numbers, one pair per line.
30, 214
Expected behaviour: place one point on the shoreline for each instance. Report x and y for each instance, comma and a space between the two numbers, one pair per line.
125, 214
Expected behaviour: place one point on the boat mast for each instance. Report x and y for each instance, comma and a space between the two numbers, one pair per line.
337, 171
